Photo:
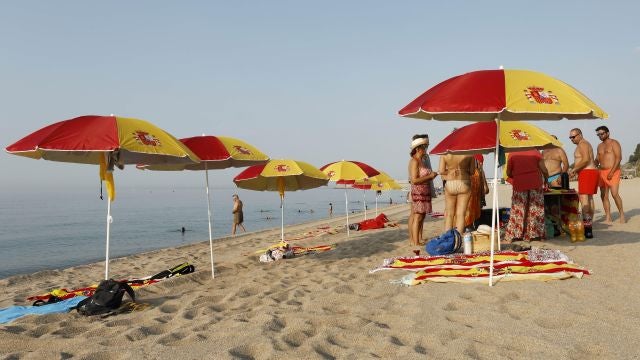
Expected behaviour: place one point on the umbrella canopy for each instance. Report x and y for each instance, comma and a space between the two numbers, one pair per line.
480, 137
86, 139
494, 95
107, 141
215, 152
281, 176
348, 172
511, 94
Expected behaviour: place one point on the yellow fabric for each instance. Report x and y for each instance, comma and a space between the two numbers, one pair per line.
523, 89
285, 175
143, 137
522, 135
107, 177
344, 170
240, 150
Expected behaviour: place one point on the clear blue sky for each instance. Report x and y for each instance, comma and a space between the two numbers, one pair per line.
313, 81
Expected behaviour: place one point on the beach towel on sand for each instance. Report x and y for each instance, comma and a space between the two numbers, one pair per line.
536, 264
15, 312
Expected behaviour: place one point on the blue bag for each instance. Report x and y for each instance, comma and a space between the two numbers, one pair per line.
447, 243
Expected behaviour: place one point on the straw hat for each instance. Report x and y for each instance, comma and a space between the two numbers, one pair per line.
418, 142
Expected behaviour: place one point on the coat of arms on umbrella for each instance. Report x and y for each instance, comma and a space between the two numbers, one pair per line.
144, 138
537, 94
517, 134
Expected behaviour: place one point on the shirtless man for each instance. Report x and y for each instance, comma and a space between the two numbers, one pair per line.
457, 170
608, 161
588, 177
556, 161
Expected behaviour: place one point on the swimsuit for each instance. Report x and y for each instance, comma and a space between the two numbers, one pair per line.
606, 183
588, 180
552, 178
455, 187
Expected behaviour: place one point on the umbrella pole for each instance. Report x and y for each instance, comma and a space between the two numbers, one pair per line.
494, 211
364, 203
206, 175
376, 204
282, 218
346, 206
106, 261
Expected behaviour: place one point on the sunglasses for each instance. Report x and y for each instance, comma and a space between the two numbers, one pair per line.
573, 137
600, 133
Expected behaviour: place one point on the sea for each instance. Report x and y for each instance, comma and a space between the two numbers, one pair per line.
53, 229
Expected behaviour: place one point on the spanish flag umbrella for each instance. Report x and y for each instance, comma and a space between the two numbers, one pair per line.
281, 176
380, 182
107, 141
215, 152
494, 95
347, 172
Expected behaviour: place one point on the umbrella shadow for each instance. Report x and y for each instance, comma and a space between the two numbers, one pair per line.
365, 246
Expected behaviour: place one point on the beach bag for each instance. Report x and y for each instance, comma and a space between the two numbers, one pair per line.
106, 298
447, 243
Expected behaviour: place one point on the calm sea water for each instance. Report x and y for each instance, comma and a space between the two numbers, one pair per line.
56, 229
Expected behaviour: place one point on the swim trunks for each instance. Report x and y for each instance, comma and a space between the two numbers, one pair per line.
588, 180
606, 183
552, 178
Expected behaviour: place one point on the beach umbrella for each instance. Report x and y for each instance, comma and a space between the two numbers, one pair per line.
215, 152
346, 173
494, 95
480, 137
107, 141
380, 182
281, 176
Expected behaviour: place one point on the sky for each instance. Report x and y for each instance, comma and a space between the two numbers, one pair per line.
311, 81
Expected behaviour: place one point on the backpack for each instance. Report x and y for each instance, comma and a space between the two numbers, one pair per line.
447, 243
107, 297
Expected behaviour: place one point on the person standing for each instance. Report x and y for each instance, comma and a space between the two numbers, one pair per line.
330, 209
419, 176
238, 216
588, 177
426, 162
608, 161
529, 177
457, 170
557, 163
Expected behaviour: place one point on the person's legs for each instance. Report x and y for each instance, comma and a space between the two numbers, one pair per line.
415, 229
462, 201
585, 204
419, 219
592, 207
233, 229
410, 224
615, 194
242, 227
515, 226
606, 205
449, 209
535, 216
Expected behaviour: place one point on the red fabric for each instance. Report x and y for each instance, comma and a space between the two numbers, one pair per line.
375, 223
476, 136
478, 91
91, 132
251, 172
524, 170
207, 148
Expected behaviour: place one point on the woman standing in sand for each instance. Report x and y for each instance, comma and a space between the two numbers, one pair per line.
238, 216
457, 170
420, 176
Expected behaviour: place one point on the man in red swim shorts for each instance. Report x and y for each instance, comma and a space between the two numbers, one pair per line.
588, 177
608, 160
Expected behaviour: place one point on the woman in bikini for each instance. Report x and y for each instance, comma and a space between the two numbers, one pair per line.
457, 170
419, 176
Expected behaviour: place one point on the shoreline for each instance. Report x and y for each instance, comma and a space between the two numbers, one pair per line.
328, 305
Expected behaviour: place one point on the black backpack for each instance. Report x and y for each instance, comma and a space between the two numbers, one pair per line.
106, 298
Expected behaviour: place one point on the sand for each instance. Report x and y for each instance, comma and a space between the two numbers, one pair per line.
328, 306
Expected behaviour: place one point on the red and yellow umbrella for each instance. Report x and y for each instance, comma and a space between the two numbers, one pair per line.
508, 94
215, 152
494, 95
108, 141
380, 182
348, 172
281, 176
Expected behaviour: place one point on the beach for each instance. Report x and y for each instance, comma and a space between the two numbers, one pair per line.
328, 306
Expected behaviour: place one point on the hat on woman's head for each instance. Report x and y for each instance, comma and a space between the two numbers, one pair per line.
418, 142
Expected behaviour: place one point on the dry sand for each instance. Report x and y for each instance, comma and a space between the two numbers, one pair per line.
327, 305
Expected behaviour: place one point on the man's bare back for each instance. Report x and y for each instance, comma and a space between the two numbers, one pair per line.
555, 161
